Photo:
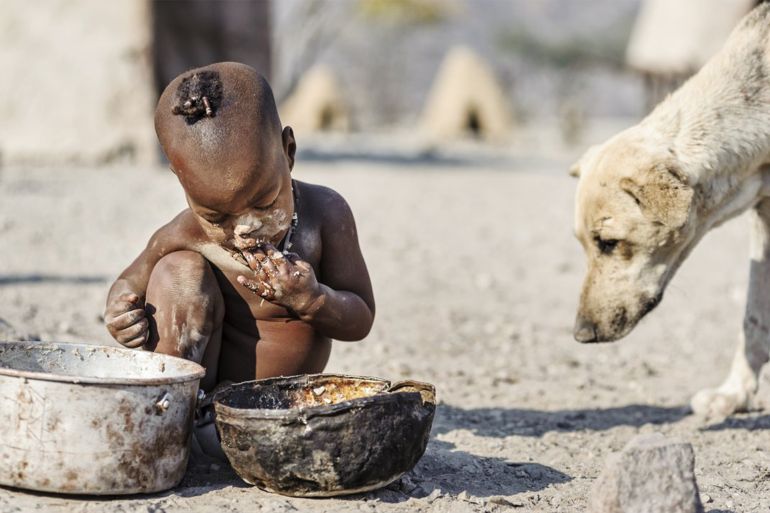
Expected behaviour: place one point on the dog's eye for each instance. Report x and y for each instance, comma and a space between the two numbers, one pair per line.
606, 246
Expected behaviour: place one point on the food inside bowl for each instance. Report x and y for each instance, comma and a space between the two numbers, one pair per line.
287, 396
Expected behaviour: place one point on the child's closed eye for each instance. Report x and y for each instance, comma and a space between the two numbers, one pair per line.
267, 206
215, 219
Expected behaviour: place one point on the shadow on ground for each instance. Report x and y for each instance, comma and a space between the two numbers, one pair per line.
205, 474
444, 470
21, 279
502, 422
749, 422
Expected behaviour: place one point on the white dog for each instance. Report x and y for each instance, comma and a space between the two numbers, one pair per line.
647, 196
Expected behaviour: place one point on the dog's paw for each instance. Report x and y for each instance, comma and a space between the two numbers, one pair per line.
718, 403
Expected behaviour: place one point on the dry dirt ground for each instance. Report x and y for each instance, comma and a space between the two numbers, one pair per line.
476, 274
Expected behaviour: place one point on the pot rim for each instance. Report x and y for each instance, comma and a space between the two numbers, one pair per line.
227, 413
193, 374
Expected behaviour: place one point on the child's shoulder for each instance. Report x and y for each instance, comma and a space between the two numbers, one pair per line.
323, 203
179, 233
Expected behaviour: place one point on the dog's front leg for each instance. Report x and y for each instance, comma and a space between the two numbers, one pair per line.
736, 392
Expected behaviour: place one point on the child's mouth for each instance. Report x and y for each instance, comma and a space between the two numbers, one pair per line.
249, 243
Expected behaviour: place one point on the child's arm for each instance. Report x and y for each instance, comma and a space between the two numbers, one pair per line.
342, 307
124, 314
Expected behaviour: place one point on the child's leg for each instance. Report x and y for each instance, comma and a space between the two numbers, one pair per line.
185, 309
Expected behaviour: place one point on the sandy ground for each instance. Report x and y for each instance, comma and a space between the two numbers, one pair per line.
476, 275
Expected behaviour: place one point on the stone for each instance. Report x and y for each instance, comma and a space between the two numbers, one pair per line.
651, 474
435, 494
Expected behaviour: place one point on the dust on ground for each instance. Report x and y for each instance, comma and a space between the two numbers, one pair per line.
476, 275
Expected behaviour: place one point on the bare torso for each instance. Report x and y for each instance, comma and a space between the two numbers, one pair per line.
259, 338
224, 322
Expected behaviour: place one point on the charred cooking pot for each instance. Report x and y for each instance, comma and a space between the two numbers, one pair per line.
324, 434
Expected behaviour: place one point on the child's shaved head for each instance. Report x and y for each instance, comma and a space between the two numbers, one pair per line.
219, 127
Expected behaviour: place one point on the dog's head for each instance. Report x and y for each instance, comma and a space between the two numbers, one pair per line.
633, 217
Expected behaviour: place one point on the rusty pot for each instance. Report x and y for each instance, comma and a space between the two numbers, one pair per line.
86, 419
324, 434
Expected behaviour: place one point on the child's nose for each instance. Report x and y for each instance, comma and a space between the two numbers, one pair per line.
244, 230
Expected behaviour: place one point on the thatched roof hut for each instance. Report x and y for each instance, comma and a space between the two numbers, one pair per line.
672, 39
466, 99
679, 36
317, 104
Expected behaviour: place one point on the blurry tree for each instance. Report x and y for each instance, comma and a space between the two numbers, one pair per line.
312, 26
577, 51
570, 57
404, 12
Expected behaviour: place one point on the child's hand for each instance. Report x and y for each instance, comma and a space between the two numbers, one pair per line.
126, 321
283, 279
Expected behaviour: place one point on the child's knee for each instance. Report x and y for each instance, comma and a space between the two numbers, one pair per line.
179, 272
184, 305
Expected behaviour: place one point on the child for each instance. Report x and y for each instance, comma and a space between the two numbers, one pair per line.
257, 276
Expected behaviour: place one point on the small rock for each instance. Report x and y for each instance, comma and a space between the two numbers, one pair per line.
435, 494
463, 496
407, 484
705, 499
500, 501
651, 473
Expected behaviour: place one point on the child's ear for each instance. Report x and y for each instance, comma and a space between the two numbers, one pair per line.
289, 145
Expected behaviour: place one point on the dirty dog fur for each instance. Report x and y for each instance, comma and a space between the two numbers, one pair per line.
647, 196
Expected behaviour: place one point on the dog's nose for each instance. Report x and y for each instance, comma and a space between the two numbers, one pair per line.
585, 330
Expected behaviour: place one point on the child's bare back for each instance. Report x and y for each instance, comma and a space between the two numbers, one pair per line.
256, 277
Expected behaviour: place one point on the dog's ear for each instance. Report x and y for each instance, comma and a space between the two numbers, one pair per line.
576, 168
662, 193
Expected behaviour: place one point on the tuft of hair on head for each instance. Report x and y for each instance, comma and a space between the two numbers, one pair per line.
199, 95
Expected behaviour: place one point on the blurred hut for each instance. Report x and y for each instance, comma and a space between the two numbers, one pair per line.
77, 82
466, 100
317, 103
672, 39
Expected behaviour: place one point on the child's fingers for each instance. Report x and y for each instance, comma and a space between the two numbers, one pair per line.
252, 261
127, 319
269, 266
132, 332
118, 308
281, 263
129, 297
260, 252
137, 341
249, 284
261, 288
304, 266
292, 257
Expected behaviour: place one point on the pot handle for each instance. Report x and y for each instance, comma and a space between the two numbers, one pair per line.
163, 403
426, 390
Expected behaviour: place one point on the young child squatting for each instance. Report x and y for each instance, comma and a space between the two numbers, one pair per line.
257, 276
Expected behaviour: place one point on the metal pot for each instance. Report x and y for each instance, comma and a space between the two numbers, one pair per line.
325, 434
77, 418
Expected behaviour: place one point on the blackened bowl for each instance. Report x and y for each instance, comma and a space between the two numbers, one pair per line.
322, 435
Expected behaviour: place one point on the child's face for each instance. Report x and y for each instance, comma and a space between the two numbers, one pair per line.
258, 210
